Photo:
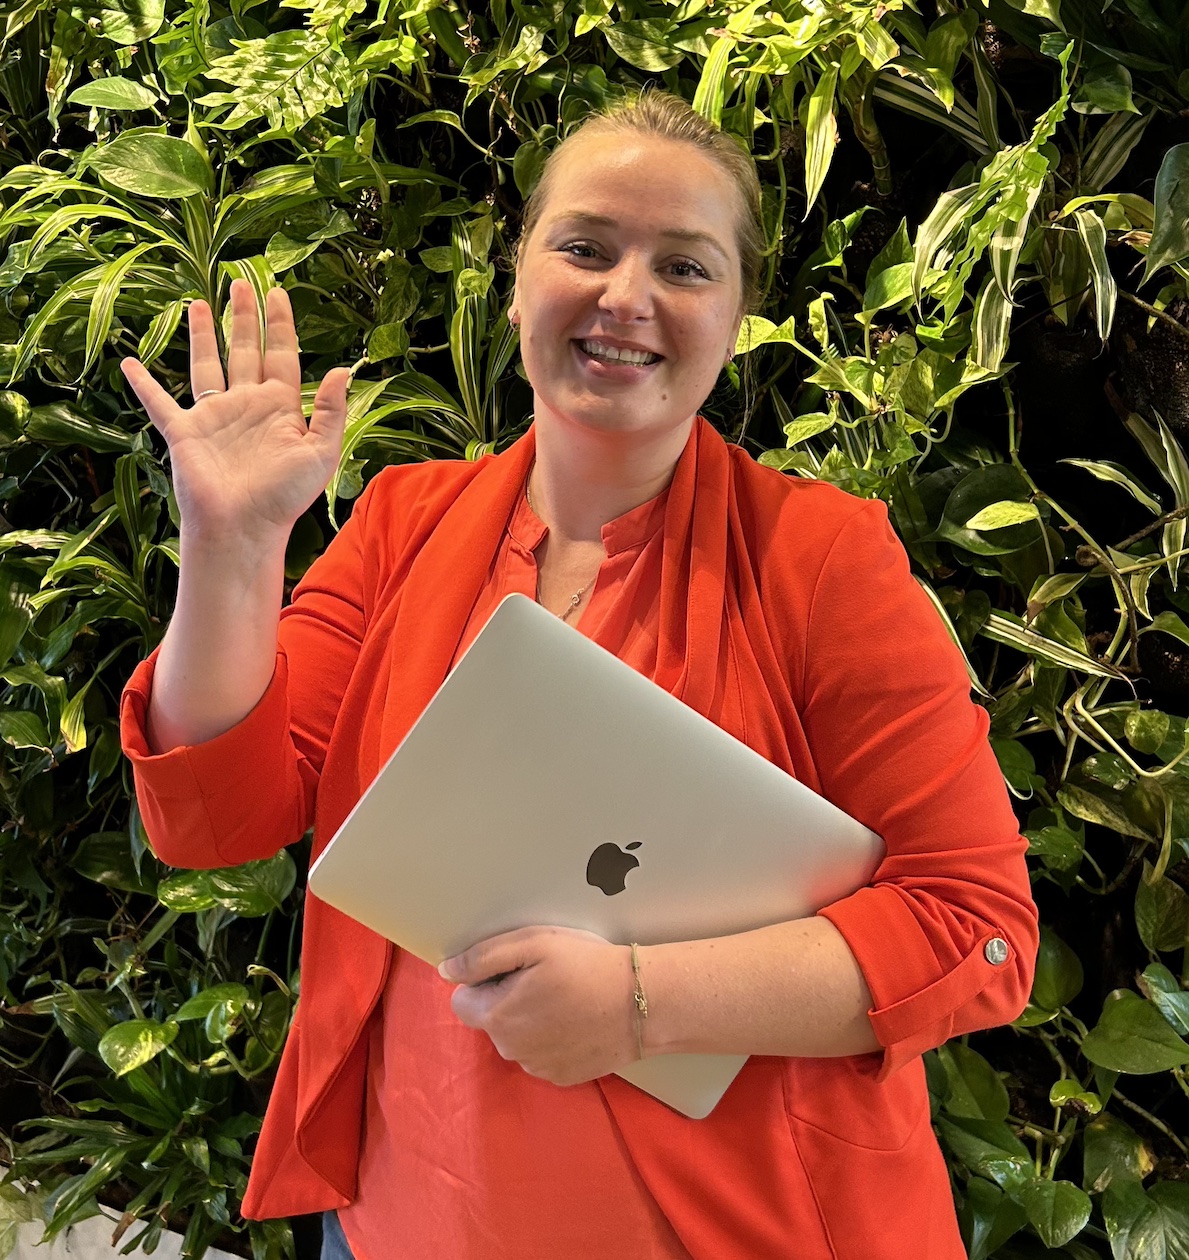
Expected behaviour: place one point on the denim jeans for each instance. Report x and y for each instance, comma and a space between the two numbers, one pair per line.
334, 1241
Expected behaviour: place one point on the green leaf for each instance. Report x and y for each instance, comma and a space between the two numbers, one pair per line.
989, 1148
16, 614
132, 1044
187, 892
1147, 1226
1105, 89
1169, 623
644, 44
1170, 236
123, 21
111, 282
288, 78
527, 164
889, 287
1133, 1037
151, 165
387, 341
1112, 1151
1146, 730
821, 133
805, 427
438, 258
106, 857
984, 488
975, 1088
201, 1004
60, 424
160, 331
255, 888
1092, 230
113, 93
1090, 806
1069, 1092
1059, 848
1057, 1210
1161, 912
989, 1218
1058, 979
1164, 990
946, 39
1105, 470
1016, 762
1005, 512
23, 729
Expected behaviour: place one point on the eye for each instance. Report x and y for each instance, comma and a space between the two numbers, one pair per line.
574, 246
690, 269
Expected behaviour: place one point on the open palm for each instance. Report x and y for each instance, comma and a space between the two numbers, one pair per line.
243, 457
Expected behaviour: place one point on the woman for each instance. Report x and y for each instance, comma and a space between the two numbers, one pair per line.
442, 1117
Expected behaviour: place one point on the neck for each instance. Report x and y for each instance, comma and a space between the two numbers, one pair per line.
583, 479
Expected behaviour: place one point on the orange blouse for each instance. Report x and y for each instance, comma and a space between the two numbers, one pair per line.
464, 1154
783, 610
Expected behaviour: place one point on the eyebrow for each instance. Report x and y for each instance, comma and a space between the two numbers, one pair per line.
687, 235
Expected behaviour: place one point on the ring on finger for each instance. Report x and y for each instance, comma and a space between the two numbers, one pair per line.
205, 392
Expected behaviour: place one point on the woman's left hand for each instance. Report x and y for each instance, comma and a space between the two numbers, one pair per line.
564, 1013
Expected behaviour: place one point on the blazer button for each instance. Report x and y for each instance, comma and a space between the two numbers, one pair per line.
996, 950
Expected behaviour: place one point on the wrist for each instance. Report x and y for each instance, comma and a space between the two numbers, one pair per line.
639, 1003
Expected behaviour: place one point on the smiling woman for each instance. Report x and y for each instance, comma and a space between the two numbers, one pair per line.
476, 1118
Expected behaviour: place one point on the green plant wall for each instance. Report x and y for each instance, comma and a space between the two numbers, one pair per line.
977, 218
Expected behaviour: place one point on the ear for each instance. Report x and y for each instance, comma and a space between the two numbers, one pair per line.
735, 335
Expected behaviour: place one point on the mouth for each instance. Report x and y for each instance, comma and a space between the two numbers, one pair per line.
627, 362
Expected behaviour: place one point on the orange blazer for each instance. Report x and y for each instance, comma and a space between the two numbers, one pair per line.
788, 615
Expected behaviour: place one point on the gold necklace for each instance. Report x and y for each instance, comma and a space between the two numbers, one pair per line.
576, 598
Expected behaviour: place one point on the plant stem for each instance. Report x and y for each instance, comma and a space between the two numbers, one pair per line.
1155, 311
1152, 1120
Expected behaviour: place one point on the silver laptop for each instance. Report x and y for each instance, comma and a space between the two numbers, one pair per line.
549, 783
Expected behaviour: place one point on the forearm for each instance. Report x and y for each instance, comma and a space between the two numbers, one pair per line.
790, 989
218, 655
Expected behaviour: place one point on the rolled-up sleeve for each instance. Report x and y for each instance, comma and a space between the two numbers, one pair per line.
946, 933
230, 799
248, 792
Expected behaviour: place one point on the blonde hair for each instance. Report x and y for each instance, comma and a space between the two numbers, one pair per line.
653, 112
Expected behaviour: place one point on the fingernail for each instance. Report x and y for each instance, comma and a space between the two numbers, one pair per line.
448, 969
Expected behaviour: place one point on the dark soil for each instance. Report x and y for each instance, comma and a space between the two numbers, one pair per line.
1153, 366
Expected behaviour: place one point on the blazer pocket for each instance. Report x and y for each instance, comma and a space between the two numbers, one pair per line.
882, 1204
843, 1098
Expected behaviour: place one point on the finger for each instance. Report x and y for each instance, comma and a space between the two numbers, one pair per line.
328, 419
160, 407
243, 355
206, 370
495, 956
281, 358
473, 1006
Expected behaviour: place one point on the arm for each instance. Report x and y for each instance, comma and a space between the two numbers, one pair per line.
250, 789
946, 933
201, 721
901, 965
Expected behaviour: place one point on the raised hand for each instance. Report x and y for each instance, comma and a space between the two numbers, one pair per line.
244, 460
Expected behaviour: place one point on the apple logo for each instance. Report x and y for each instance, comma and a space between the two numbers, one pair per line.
609, 865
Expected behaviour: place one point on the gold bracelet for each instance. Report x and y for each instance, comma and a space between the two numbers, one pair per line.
640, 999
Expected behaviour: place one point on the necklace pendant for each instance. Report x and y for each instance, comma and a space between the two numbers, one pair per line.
575, 599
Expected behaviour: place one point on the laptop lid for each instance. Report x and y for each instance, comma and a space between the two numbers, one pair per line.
547, 782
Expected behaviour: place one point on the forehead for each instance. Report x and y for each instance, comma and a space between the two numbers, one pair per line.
644, 180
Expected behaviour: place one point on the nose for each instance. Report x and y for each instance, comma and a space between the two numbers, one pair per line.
628, 289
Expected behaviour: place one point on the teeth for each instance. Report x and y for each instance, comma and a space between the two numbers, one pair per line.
597, 350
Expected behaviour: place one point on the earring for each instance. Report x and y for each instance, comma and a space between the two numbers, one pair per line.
514, 319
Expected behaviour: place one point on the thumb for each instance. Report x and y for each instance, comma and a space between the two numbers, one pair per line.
496, 956
158, 404
328, 420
